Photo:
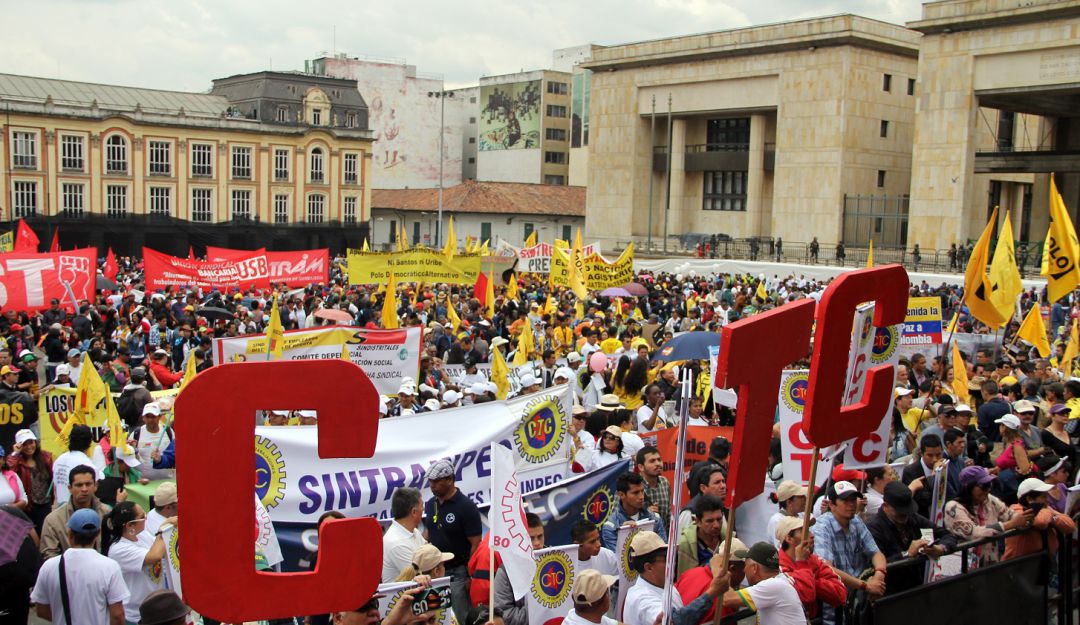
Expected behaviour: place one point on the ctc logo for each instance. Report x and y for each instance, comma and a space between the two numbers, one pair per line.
597, 508
552, 578
798, 392
542, 427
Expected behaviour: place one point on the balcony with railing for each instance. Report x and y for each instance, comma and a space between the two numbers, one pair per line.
715, 157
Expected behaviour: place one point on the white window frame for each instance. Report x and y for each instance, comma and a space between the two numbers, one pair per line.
349, 205
21, 191
117, 201
316, 117
156, 196
318, 154
24, 149
287, 152
281, 208
316, 200
195, 148
350, 171
116, 153
155, 150
350, 119
244, 153
199, 195
67, 160
240, 204
72, 199
282, 115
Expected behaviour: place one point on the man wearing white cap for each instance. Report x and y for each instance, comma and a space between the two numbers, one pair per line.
406, 400
150, 439
842, 538
645, 599
529, 384
164, 502
451, 399
1031, 495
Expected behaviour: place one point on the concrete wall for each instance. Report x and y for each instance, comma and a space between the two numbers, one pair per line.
510, 228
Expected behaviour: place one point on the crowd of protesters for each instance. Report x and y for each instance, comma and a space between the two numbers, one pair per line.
1011, 451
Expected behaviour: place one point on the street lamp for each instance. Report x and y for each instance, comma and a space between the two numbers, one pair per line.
442, 95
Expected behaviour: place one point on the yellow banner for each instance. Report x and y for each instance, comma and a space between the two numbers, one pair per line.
415, 265
560, 266
301, 340
600, 274
56, 406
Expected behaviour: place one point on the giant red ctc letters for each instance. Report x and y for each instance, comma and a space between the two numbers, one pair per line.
217, 530
754, 350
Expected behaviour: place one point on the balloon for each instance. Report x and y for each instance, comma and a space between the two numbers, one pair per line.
598, 362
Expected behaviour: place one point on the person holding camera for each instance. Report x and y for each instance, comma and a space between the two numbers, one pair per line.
1031, 497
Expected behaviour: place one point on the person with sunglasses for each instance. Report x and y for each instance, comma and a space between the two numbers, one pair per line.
140, 557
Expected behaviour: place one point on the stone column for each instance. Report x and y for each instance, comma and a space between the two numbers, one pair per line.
675, 217
755, 177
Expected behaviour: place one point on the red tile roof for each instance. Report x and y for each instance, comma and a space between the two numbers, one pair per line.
487, 197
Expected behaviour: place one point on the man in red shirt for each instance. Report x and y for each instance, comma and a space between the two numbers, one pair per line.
159, 368
693, 583
814, 579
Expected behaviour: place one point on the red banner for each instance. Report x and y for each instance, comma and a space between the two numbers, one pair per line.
163, 271
297, 268
28, 281
698, 439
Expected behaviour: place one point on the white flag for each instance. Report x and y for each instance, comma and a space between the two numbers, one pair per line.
171, 536
509, 531
627, 575
267, 540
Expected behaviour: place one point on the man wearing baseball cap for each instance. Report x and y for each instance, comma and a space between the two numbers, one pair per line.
591, 599
897, 529
645, 599
792, 501
770, 593
814, 578
841, 537
452, 524
1031, 496
93, 583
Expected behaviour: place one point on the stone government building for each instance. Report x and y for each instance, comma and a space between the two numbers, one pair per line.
840, 127
275, 159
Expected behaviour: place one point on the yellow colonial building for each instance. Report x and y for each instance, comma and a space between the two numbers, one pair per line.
273, 159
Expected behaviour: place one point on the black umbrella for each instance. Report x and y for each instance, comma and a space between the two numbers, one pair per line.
104, 283
214, 313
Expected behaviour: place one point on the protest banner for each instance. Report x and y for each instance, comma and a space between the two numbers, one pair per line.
585, 496
57, 405
922, 324
550, 598
386, 356
297, 268
296, 485
509, 535
627, 575
29, 281
393, 592
416, 265
698, 439
537, 259
7, 241
870, 449
15, 414
170, 535
163, 271
797, 451
601, 274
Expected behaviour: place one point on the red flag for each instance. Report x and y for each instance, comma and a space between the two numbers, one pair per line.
55, 247
25, 239
190, 253
480, 288
111, 268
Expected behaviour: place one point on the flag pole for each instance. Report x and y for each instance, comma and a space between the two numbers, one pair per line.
676, 495
810, 484
491, 544
724, 562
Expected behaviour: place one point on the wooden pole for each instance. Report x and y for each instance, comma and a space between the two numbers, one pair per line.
724, 562
807, 513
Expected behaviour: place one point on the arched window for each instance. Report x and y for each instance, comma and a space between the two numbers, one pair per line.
116, 155
317, 165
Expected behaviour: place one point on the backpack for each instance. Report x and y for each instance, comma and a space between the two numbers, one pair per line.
127, 406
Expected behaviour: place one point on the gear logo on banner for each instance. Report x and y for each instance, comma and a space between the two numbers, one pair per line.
598, 506
269, 473
542, 429
886, 340
628, 571
794, 390
553, 579
174, 549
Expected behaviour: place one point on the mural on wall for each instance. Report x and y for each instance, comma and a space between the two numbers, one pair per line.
510, 118
405, 122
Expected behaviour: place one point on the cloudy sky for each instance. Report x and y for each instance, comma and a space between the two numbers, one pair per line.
183, 44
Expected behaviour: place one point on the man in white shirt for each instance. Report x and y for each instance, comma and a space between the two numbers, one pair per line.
164, 507
79, 441
95, 585
591, 599
591, 553
402, 538
770, 593
149, 438
645, 599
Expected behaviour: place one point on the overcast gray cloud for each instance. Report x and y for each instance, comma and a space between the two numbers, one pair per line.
183, 44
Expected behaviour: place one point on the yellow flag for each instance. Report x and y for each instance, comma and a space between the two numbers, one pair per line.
512, 287
345, 352
761, 293
531, 241
189, 372
562, 244
484, 251
275, 333
1062, 250
952, 324
1004, 274
1033, 331
452, 316
577, 269
524, 346
365, 247
1072, 350
489, 295
870, 255
468, 244
960, 379
977, 286
389, 308
450, 247
500, 373
549, 305
579, 310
